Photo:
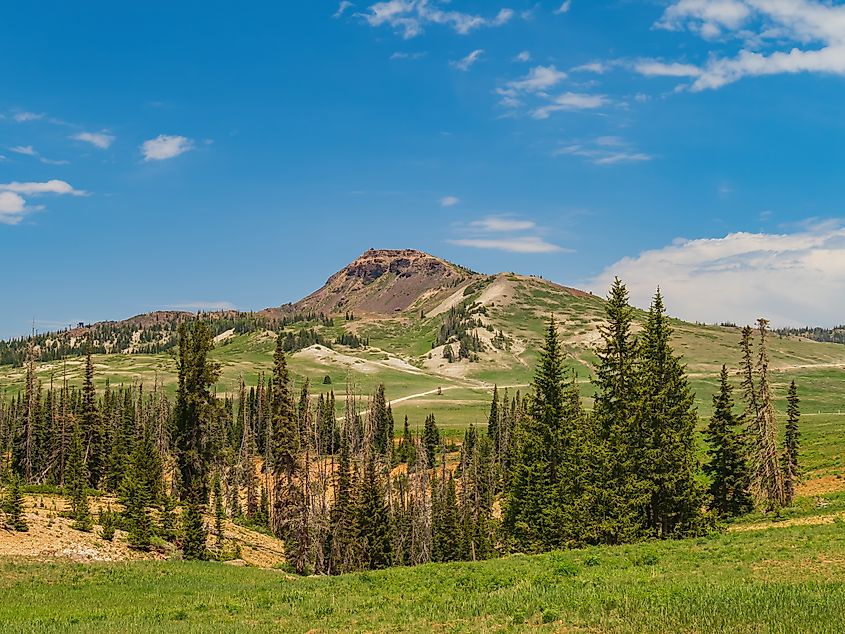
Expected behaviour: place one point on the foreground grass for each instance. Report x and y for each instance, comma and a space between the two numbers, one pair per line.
788, 579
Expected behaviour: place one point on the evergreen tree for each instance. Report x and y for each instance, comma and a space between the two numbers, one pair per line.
91, 424
76, 484
545, 505
728, 465
194, 534
446, 529
285, 445
789, 460
431, 439
406, 452
107, 524
135, 500
340, 546
373, 521
147, 466
167, 524
618, 495
664, 424
493, 418
13, 506
194, 410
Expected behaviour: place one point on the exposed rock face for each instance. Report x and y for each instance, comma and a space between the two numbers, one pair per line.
386, 281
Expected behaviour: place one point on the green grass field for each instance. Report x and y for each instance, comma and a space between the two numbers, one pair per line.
783, 579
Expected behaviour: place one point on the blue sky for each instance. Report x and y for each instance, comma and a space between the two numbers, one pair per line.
202, 154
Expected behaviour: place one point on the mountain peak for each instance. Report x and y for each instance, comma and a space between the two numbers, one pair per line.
384, 281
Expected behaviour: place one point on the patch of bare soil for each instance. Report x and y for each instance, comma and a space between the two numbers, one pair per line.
51, 536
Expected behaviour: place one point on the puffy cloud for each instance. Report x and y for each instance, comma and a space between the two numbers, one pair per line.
13, 205
792, 278
165, 146
779, 37
342, 7
523, 56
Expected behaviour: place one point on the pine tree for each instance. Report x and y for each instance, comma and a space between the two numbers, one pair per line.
167, 523
618, 494
135, 500
194, 410
285, 445
107, 524
789, 460
406, 452
543, 508
493, 418
373, 521
446, 529
194, 535
340, 547
431, 439
13, 506
728, 466
76, 484
664, 423
91, 424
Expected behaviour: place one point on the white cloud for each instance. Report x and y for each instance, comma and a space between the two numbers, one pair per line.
599, 68
13, 205
466, 63
524, 56
26, 150
34, 188
605, 150
165, 146
792, 279
12, 208
526, 244
570, 101
403, 55
499, 223
449, 201
779, 37
342, 7
505, 233
410, 17
651, 68
538, 80
22, 117
100, 140
564, 8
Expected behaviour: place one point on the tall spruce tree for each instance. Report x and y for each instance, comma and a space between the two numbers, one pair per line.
194, 410
284, 445
76, 484
431, 439
373, 520
792, 441
730, 477
545, 503
619, 494
664, 427
91, 424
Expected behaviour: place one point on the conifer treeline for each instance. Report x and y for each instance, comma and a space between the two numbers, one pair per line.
344, 495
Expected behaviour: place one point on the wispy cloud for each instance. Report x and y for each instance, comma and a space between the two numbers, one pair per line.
570, 101
23, 117
411, 56
523, 56
466, 63
342, 7
449, 201
410, 17
564, 8
165, 146
752, 274
605, 150
524, 244
504, 233
28, 150
101, 140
